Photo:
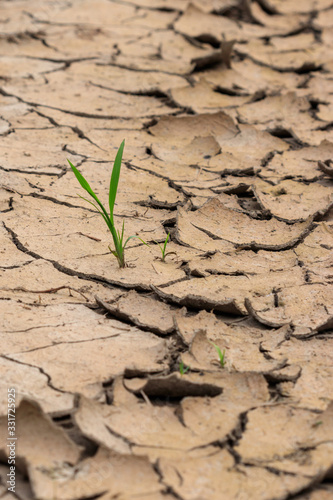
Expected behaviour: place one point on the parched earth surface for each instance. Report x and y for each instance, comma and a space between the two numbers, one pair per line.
226, 107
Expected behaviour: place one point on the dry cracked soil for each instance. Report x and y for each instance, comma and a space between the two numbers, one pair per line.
226, 107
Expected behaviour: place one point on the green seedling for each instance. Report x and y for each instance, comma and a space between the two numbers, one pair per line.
163, 249
220, 354
182, 368
118, 237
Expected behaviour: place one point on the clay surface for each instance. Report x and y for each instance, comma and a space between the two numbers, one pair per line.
206, 374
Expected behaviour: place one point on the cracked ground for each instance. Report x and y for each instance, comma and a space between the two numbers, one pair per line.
226, 107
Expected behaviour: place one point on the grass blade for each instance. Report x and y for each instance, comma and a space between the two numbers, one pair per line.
86, 186
138, 237
115, 178
221, 354
104, 215
93, 204
122, 233
182, 368
163, 249
165, 243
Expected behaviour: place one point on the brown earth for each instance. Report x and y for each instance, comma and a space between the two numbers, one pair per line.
226, 107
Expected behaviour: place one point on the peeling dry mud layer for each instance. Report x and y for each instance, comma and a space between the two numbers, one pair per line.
226, 107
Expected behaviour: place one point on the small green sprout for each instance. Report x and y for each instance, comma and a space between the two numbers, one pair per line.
163, 249
220, 354
118, 237
182, 368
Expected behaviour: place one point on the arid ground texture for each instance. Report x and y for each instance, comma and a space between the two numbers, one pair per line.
226, 108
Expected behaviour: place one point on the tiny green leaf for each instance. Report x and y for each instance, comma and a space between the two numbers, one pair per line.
163, 249
165, 243
182, 368
221, 354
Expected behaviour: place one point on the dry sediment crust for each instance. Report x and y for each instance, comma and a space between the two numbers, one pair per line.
206, 375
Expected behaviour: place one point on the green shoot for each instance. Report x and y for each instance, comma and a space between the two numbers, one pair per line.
182, 368
118, 237
220, 354
163, 249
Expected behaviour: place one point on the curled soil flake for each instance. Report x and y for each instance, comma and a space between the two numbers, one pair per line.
222, 223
